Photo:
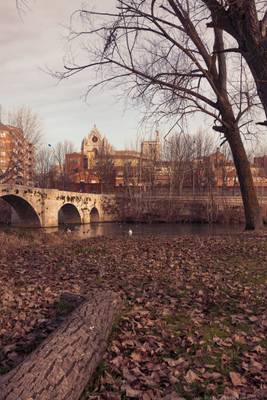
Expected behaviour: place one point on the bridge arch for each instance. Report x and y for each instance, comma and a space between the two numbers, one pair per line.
69, 214
94, 215
23, 213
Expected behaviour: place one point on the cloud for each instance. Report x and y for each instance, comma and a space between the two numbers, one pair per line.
37, 39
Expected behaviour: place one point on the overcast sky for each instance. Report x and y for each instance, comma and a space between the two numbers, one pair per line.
37, 40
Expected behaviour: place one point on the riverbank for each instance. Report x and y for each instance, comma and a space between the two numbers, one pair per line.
193, 323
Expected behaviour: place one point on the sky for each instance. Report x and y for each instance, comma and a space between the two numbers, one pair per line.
36, 40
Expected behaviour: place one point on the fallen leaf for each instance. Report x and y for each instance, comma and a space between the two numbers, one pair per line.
130, 392
136, 356
236, 378
191, 376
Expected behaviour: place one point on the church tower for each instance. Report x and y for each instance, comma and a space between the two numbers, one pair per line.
93, 144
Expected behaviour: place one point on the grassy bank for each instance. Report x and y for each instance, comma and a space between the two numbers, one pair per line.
194, 320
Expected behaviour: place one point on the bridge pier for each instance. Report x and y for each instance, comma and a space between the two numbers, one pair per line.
85, 216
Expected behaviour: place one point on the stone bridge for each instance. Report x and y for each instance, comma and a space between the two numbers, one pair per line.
34, 207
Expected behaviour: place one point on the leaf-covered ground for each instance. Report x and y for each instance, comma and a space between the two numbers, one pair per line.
194, 322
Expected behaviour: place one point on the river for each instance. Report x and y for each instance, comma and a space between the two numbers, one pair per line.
115, 229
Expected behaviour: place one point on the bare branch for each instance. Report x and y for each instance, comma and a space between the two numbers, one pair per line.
263, 25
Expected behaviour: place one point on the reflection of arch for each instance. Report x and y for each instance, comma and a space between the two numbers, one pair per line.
25, 214
68, 214
94, 215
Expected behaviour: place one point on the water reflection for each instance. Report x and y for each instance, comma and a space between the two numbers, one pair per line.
116, 229
172, 229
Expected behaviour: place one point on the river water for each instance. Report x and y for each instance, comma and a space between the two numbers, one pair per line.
114, 229
117, 229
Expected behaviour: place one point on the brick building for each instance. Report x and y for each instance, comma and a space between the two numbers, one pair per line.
127, 165
16, 156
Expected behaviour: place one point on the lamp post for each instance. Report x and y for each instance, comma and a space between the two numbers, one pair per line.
52, 157
193, 151
59, 163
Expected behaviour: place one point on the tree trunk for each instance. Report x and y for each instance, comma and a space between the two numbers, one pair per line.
250, 201
256, 59
62, 366
240, 20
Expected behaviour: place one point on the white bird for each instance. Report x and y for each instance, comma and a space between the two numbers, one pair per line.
68, 230
130, 232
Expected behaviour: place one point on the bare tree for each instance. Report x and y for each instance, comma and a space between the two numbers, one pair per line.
59, 157
23, 6
28, 122
204, 168
162, 53
179, 152
187, 156
130, 175
246, 22
104, 167
149, 165
50, 166
44, 163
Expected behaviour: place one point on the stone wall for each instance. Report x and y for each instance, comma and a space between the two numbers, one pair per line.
111, 208
174, 210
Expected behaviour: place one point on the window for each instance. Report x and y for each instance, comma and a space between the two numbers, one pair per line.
85, 163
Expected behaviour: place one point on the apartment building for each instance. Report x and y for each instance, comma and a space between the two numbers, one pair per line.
16, 156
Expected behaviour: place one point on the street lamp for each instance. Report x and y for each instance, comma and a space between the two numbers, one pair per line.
57, 163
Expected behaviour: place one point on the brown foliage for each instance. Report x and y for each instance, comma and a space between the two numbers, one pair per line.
194, 320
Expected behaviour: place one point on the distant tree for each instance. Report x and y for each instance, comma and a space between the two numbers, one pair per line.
104, 167
186, 156
29, 122
149, 167
204, 175
50, 168
178, 153
44, 163
59, 152
130, 174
